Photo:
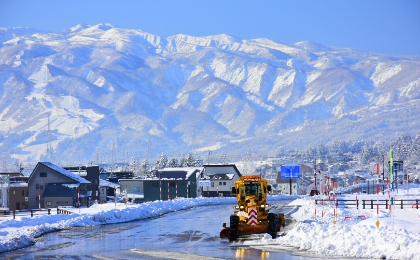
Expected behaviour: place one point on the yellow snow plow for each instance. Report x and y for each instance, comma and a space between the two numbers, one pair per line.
251, 215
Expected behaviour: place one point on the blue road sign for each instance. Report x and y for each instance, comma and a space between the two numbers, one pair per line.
291, 171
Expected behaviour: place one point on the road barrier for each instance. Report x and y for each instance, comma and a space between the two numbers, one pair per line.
63, 211
33, 212
373, 202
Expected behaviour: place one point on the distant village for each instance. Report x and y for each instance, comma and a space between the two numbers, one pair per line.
50, 185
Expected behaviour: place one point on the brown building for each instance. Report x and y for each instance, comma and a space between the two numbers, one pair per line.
14, 191
18, 196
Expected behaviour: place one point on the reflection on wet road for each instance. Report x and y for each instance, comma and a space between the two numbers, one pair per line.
187, 234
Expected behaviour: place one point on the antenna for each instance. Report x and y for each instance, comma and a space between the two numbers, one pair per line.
97, 156
148, 148
193, 138
49, 149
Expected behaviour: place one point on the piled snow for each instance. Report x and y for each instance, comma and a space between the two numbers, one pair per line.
397, 237
22, 232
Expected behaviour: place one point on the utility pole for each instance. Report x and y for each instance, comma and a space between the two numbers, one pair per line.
383, 174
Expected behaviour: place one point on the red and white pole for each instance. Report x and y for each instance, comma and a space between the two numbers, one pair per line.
377, 194
78, 197
188, 187
39, 200
168, 189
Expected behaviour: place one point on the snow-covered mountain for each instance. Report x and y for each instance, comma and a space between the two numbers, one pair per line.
92, 90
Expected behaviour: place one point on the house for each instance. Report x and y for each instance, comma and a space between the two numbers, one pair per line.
18, 193
108, 191
132, 190
90, 173
164, 184
13, 191
218, 180
169, 183
48, 178
56, 195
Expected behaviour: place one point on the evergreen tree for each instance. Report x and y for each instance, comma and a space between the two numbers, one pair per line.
311, 153
162, 162
145, 167
415, 149
402, 147
323, 151
173, 163
368, 154
182, 161
190, 161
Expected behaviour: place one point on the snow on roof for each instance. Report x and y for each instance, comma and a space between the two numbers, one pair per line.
105, 183
180, 172
18, 184
70, 185
135, 195
80, 173
63, 171
221, 176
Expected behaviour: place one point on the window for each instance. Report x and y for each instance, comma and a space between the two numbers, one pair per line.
37, 186
41, 187
43, 174
224, 183
136, 188
14, 192
212, 184
48, 203
23, 193
220, 183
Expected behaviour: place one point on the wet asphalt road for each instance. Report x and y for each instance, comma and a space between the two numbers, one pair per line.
188, 234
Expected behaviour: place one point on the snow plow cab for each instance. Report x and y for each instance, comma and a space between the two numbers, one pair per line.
251, 215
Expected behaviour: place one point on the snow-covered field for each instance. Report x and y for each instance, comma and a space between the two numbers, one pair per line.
397, 237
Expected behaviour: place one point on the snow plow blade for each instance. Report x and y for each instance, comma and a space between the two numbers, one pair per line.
245, 229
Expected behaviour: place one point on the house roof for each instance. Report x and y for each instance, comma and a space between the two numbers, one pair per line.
177, 173
64, 172
221, 176
58, 190
223, 166
105, 183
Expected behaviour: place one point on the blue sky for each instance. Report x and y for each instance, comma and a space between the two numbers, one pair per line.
379, 26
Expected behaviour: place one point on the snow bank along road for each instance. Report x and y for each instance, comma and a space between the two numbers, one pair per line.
397, 237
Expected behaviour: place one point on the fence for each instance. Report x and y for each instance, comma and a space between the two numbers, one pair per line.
33, 212
373, 202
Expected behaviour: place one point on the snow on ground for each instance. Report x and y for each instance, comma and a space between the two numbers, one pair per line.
397, 237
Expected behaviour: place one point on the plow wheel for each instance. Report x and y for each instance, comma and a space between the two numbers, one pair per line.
273, 220
234, 223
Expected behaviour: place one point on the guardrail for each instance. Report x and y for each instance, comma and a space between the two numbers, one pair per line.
63, 211
32, 212
413, 203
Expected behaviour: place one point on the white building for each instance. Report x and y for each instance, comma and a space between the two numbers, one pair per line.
218, 180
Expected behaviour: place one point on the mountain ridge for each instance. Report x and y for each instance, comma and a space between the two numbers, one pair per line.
126, 89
